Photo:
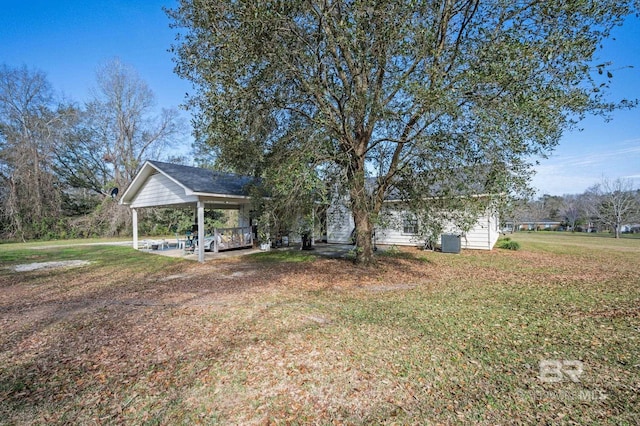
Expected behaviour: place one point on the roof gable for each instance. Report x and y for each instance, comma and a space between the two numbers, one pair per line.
184, 182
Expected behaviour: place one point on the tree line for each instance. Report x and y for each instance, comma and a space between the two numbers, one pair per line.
610, 205
62, 162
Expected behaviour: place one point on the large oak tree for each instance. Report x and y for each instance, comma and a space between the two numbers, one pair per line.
428, 100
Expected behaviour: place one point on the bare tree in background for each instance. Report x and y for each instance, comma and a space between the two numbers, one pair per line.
30, 122
614, 203
572, 209
123, 118
118, 129
537, 213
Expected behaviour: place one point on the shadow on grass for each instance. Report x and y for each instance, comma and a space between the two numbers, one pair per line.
79, 344
278, 256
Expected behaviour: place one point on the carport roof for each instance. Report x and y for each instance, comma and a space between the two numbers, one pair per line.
205, 180
189, 185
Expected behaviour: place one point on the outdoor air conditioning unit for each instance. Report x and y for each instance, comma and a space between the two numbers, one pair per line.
450, 243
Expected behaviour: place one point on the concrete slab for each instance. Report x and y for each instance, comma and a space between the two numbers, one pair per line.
179, 253
335, 251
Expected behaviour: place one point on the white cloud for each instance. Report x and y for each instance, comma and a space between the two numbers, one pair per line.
565, 173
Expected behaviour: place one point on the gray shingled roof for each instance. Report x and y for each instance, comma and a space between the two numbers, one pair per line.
205, 180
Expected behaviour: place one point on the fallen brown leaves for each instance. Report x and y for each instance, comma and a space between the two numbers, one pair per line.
434, 338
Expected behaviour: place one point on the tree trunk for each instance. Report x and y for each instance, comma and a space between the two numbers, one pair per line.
364, 234
361, 209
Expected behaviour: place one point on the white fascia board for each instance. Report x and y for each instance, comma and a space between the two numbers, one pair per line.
208, 194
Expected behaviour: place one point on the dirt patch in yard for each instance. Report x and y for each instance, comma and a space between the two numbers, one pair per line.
393, 287
28, 267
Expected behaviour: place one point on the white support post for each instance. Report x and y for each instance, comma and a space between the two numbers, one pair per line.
200, 231
216, 233
134, 214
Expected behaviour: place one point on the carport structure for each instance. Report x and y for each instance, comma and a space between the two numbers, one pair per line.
160, 184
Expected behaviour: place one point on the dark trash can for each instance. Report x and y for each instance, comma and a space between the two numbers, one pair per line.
306, 242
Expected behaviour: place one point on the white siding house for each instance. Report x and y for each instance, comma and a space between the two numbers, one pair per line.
482, 236
161, 184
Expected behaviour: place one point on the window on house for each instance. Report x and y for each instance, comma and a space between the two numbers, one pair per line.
410, 225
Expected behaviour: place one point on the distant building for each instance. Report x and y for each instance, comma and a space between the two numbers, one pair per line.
630, 228
532, 225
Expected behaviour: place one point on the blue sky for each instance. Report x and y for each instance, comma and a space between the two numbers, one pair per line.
602, 149
69, 39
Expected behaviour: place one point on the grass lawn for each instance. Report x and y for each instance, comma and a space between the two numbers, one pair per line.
424, 338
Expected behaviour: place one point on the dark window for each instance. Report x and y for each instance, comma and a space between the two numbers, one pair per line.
410, 225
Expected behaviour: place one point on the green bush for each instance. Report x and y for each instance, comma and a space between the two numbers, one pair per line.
395, 252
509, 245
